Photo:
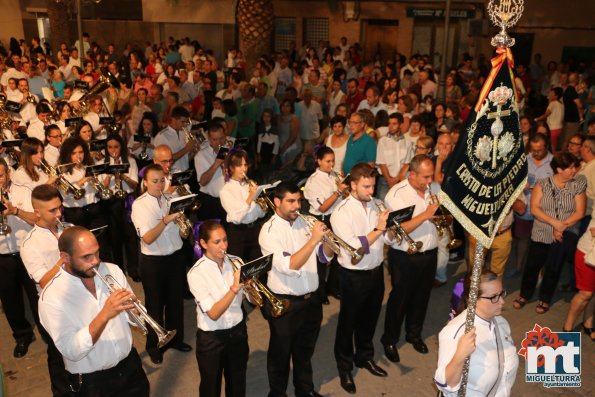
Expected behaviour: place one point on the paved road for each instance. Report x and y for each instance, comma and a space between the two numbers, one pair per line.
178, 375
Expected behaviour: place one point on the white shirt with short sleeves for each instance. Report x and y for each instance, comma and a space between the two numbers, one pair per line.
319, 187
40, 253
233, 199
202, 162
176, 142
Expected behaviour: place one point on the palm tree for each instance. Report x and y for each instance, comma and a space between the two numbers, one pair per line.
255, 28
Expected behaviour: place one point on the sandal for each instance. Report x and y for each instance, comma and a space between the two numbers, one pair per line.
519, 303
541, 308
588, 331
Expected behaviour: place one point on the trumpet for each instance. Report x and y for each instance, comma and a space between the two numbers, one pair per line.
257, 290
334, 242
102, 192
197, 141
31, 99
400, 233
443, 223
119, 191
64, 186
339, 179
142, 318
183, 222
261, 200
4, 226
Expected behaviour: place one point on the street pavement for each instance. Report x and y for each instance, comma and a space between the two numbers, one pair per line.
178, 375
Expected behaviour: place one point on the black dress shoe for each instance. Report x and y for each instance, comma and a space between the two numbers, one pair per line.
391, 352
418, 345
347, 382
22, 347
156, 356
181, 346
325, 301
372, 368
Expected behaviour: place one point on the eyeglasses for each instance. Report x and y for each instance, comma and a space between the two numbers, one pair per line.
496, 298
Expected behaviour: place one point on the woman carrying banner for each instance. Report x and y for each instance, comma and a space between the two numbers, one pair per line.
558, 204
494, 360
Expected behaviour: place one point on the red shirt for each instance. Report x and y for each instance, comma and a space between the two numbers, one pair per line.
352, 102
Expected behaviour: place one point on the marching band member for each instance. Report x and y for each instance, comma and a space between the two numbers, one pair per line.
63, 109
28, 102
95, 103
243, 213
88, 322
164, 157
147, 127
323, 195
14, 226
53, 137
84, 131
174, 137
293, 277
221, 337
359, 222
41, 257
86, 211
412, 275
29, 175
121, 231
209, 172
161, 261
37, 126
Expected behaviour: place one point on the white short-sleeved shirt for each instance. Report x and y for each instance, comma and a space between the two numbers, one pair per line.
90, 196
374, 109
39, 252
202, 162
352, 221
484, 365
66, 308
176, 142
319, 187
11, 242
393, 152
556, 118
22, 187
36, 129
209, 285
233, 199
147, 212
403, 195
283, 239
51, 154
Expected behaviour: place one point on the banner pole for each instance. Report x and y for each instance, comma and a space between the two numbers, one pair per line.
471, 304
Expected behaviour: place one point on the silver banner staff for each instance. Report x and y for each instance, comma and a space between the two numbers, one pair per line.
488, 168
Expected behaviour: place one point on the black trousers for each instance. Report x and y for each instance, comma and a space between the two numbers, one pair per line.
243, 240
362, 292
123, 237
211, 208
13, 280
412, 279
552, 256
126, 379
222, 353
59, 377
163, 281
92, 216
292, 341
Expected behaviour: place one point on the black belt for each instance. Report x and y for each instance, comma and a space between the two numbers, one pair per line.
244, 226
304, 297
110, 372
9, 255
426, 252
377, 268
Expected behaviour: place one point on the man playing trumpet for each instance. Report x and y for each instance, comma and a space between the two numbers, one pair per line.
294, 277
88, 324
412, 275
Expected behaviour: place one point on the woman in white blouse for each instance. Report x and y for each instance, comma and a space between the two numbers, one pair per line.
494, 360
221, 337
121, 231
323, 195
64, 112
243, 214
86, 211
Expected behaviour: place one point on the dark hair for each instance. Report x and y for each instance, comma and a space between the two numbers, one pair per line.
214, 127
179, 112
151, 167
338, 119
208, 226
68, 147
558, 92
397, 116
381, 119
42, 107
29, 148
80, 126
362, 170
284, 188
123, 149
538, 137
152, 117
234, 159
51, 128
291, 105
564, 160
416, 119
69, 237
322, 151
486, 276
230, 107
45, 193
